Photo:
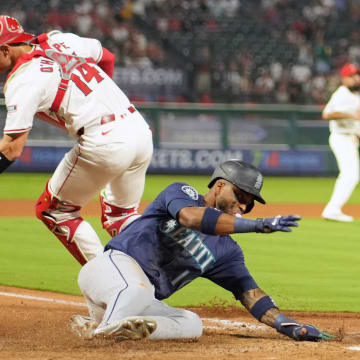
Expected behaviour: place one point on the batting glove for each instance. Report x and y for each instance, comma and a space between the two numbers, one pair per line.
299, 332
309, 332
278, 223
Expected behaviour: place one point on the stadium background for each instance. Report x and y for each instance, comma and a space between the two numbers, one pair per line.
217, 54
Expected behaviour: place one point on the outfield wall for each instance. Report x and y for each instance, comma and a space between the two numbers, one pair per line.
280, 140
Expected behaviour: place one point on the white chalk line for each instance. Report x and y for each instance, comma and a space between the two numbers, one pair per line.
39, 298
230, 323
220, 324
356, 348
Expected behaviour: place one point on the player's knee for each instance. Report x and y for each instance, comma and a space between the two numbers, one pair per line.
52, 211
141, 290
193, 324
44, 202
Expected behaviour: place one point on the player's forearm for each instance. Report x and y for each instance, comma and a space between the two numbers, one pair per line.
193, 218
214, 222
4, 161
12, 146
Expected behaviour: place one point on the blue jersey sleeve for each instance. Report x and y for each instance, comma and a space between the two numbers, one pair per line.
180, 195
230, 271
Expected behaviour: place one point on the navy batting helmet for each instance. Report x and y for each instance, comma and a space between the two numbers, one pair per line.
241, 174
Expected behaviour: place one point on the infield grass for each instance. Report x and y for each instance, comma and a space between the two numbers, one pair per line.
314, 268
314, 190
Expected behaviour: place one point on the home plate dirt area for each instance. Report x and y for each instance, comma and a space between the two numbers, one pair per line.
34, 324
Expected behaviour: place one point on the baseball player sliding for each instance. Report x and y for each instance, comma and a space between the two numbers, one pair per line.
343, 111
181, 236
66, 80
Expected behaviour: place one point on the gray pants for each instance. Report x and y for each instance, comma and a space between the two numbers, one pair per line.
115, 287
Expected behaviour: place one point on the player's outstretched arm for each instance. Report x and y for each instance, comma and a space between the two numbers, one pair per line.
211, 221
264, 309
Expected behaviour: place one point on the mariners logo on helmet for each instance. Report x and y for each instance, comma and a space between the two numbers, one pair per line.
193, 194
258, 182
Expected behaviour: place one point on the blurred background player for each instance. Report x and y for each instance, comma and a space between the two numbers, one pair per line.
76, 93
343, 112
181, 236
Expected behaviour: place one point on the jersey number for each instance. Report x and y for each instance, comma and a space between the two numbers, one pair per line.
88, 73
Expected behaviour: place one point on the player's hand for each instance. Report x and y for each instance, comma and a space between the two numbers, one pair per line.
278, 223
309, 332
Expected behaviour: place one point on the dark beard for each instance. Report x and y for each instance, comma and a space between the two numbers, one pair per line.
354, 88
222, 205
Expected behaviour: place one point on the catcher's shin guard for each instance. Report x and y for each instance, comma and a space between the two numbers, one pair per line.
63, 230
114, 219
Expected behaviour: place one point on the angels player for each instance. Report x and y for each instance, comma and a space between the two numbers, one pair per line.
66, 80
343, 111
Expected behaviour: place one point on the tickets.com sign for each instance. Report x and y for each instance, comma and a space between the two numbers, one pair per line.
151, 83
199, 161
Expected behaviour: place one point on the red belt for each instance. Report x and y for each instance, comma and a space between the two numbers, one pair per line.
106, 119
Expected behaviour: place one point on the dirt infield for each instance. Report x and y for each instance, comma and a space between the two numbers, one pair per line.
36, 328
34, 324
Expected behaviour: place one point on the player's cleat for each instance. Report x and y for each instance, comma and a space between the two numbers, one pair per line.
130, 328
83, 326
336, 216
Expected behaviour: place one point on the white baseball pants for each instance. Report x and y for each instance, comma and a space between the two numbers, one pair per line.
346, 150
115, 158
115, 287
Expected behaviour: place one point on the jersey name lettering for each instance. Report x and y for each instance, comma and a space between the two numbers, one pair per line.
46, 65
191, 241
60, 46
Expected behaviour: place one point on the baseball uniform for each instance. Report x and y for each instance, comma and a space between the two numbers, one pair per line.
344, 142
114, 143
154, 257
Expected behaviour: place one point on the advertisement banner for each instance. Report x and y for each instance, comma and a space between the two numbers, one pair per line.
199, 161
150, 83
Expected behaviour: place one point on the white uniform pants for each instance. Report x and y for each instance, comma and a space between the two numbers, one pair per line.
345, 149
115, 287
116, 160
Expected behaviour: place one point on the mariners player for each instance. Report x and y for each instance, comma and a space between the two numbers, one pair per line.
181, 236
66, 80
343, 113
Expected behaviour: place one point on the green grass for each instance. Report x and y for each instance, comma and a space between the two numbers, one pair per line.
275, 189
314, 268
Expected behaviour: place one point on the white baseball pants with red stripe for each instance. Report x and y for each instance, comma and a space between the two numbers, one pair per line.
114, 156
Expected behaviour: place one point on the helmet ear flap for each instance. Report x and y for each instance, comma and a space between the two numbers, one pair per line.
249, 207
